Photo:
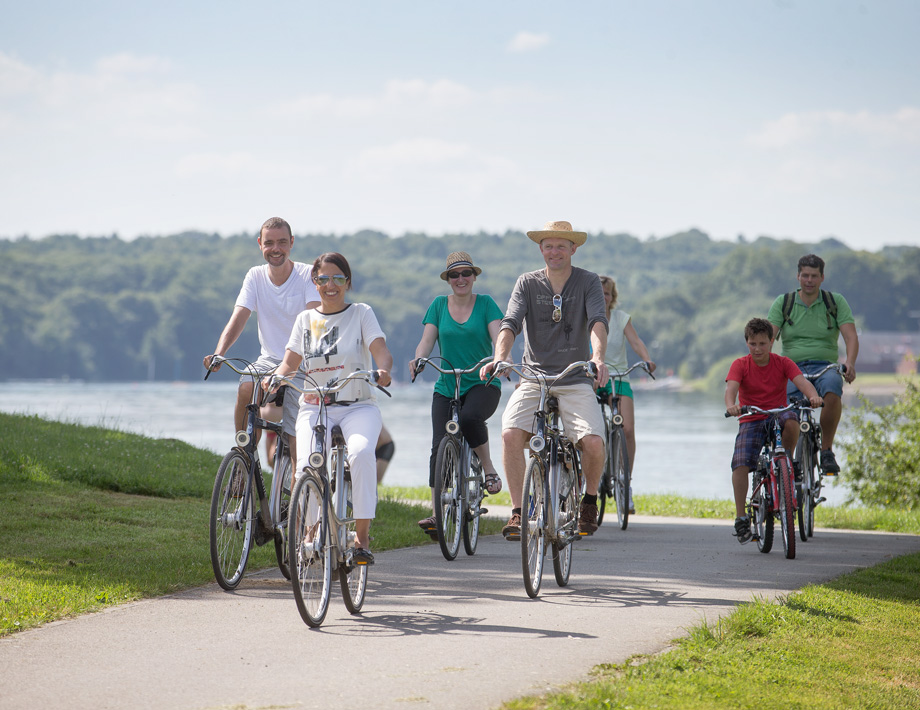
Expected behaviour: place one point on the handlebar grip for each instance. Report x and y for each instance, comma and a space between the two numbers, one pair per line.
419, 366
648, 369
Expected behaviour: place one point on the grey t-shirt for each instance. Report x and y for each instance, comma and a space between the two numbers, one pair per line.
550, 347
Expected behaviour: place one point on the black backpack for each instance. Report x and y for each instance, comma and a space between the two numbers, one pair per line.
830, 304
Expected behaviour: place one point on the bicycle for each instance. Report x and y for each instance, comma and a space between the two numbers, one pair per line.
553, 483
459, 483
235, 523
617, 476
805, 459
773, 486
321, 527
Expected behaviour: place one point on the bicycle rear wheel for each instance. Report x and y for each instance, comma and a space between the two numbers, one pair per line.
620, 476
352, 577
447, 511
761, 516
805, 488
280, 514
533, 540
812, 483
566, 527
605, 489
232, 516
472, 502
786, 503
310, 552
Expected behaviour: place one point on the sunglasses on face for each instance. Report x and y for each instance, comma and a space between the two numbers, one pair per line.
466, 273
338, 280
557, 308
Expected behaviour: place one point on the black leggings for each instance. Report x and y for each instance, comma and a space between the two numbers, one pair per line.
478, 404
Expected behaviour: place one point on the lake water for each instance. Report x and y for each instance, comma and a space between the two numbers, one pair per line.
684, 441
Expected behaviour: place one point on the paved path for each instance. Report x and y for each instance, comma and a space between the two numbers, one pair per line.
433, 634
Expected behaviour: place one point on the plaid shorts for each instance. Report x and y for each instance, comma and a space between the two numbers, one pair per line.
751, 438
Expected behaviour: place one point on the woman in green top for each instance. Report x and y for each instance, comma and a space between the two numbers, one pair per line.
465, 326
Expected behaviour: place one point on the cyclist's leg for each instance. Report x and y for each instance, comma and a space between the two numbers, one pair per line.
584, 423
290, 411
361, 428
479, 403
628, 410
440, 413
790, 432
748, 443
304, 423
517, 421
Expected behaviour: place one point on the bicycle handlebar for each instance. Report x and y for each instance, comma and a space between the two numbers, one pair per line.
421, 362
217, 360
749, 409
332, 386
839, 367
528, 372
642, 365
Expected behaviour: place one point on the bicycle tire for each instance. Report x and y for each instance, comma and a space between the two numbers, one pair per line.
472, 502
786, 503
447, 512
232, 517
533, 539
352, 577
762, 518
805, 487
620, 476
566, 526
310, 552
280, 514
605, 489
813, 480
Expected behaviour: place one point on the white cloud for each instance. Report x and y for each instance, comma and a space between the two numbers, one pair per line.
900, 127
528, 41
235, 165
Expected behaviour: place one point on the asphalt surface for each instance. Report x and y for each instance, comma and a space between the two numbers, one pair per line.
432, 634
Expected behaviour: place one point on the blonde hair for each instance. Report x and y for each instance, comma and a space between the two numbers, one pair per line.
605, 282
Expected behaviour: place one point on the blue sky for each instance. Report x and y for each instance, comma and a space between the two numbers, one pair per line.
788, 118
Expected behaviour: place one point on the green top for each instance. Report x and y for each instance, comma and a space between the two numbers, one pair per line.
463, 344
809, 338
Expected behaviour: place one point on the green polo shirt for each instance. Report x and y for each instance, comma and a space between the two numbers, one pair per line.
809, 338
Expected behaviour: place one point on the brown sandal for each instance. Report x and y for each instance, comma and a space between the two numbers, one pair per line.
493, 483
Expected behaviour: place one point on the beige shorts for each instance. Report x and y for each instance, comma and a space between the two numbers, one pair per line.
578, 407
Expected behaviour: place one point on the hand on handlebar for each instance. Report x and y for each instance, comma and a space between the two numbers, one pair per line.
383, 377
816, 401
736, 410
601, 373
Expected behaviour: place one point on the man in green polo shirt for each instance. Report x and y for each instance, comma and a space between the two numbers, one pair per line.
809, 334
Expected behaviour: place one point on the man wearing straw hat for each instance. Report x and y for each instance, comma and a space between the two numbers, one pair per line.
561, 311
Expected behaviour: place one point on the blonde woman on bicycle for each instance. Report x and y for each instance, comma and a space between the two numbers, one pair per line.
337, 338
621, 332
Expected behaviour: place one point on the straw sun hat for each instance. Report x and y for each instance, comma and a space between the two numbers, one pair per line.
559, 230
459, 259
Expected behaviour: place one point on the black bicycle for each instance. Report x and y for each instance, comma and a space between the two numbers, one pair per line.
241, 512
459, 483
617, 477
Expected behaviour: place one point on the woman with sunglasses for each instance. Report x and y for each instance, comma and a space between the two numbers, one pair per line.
339, 338
465, 326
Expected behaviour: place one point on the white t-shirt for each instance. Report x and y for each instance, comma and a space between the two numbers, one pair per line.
337, 344
616, 341
276, 307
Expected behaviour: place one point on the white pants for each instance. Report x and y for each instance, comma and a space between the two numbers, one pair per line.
360, 425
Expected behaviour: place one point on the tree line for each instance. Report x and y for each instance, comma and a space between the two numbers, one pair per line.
107, 309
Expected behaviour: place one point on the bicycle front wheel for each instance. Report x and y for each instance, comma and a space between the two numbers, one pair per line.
533, 539
810, 485
472, 502
786, 503
231, 520
605, 489
447, 513
352, 577
620, 476
280, 513
310, 551
566, 528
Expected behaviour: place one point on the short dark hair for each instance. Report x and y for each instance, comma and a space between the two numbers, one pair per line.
275, 223
333, 257
756, 326
811, 261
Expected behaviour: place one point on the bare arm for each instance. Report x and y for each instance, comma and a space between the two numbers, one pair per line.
808, 389
598, 352
286, 368
232, 331
851, 340
503, 344
383, 359
731, 397
635, 342
425, 345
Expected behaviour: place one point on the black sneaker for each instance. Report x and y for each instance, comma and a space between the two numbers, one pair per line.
829, 463
743, 530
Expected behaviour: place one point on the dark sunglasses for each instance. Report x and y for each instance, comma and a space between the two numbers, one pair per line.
338, 279
466, 273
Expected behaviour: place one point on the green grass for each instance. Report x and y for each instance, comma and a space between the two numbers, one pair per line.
91, 517
851, 643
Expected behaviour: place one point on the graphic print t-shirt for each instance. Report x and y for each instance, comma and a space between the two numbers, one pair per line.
336, 344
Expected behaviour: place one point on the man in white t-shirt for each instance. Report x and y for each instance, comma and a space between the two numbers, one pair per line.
277, 291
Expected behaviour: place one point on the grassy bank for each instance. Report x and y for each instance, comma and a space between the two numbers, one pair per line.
91, 517
851, 643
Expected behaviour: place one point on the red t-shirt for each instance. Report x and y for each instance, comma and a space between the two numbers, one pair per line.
764, 387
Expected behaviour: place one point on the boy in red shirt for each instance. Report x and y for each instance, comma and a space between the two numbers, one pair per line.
760, 379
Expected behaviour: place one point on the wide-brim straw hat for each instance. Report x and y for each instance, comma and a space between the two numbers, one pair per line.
459, 259
559, 230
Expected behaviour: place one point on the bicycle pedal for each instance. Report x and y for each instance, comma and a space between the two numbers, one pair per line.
513, 537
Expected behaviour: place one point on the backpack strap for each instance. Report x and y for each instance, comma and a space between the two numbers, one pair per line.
830, 305
788, 302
